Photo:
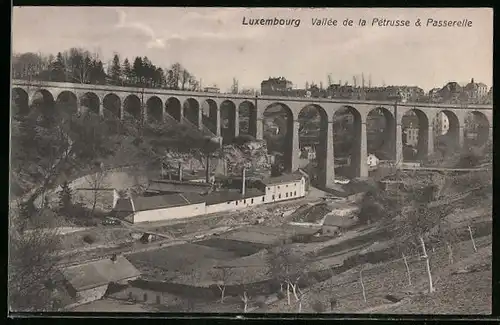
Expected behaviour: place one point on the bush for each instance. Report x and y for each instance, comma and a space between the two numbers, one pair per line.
89, 238
242, 139
281, 295
318, 307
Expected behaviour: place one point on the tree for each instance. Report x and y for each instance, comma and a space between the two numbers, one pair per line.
96, 181
79, 65
418, 218
234, 87
287, 268
137, 68
174, 76
116, 71
58, 69
127, 71
245, 298
185, 76
27, 65
221, 275
65, 198
32, 264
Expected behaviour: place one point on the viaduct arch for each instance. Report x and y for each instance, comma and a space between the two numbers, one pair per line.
141, 103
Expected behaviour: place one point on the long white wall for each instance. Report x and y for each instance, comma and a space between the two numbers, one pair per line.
186, 211
235, 205
294, 190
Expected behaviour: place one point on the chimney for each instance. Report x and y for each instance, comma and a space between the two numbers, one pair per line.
180, 171
207, 169
472, 81
243, 183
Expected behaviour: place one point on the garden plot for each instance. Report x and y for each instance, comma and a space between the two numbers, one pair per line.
186, 263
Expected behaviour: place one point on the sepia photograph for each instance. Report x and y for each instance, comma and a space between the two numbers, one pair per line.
251, 160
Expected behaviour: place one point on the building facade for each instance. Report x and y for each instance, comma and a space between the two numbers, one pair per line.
284, 187
441, 124
476, 91
186, 205
89, 281
275, 86
411, 134
372, 161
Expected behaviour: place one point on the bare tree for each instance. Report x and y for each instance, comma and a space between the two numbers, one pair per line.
287, 268
32, 262
245, 298
185, 77
418, 218
221, 275
96, 181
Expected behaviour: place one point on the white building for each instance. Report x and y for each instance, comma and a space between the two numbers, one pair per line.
160, 207
186, 205
441, 124
411, 136
285, 187
372, 161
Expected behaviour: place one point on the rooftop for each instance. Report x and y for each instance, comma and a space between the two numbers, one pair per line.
94, 274
286, 178
225, 196
142, 203
160, 182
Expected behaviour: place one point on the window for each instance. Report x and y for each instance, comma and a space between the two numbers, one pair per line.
244, 201
228, 202
268, 188
278, 187
251, 201
286, 185
294, 192
273, 196
295, 184
286, 194
263, 199
279, 196
236, 202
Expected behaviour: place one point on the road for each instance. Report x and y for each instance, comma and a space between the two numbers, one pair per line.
440, 169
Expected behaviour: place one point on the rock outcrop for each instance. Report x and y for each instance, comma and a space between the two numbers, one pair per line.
252, 155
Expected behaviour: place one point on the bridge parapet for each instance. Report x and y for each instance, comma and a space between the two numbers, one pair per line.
222, 96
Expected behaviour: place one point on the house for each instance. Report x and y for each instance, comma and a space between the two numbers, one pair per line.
89, 281
284, 187
372, 161
211, 89
275, 86
160, 207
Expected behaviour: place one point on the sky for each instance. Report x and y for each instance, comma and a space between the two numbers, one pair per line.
215, 46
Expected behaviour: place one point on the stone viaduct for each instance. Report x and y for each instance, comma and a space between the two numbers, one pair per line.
159, 103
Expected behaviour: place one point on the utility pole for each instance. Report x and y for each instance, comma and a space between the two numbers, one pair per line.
370, 81
354, 80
